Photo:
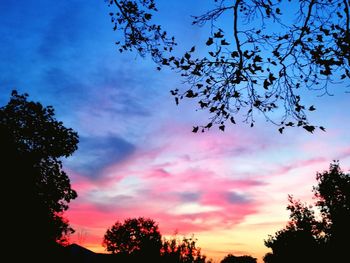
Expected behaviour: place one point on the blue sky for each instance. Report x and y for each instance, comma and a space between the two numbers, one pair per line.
137, 155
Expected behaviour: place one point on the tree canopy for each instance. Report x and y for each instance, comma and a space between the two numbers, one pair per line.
139, 239
32, 143
184, 251
309, 239
261, 62
136, 236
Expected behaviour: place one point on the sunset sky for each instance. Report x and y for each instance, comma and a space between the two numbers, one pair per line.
137, 155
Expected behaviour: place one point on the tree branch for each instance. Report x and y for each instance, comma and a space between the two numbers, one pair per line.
303, 30
235, 32
346, 9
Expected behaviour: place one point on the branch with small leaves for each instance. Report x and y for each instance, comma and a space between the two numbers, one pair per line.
252, 69
133, 20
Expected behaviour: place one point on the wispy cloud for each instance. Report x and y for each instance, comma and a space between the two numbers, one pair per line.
96, 153
161, 181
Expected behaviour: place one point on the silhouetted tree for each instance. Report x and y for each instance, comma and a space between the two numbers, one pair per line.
269, 258
306, 239
238, 259
184, 251
32, 143
135, 237
333, 200
252, 68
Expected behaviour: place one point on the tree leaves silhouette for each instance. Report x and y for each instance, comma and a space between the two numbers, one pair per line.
136, 236
32, 143
308, 239
253, 69
181, 251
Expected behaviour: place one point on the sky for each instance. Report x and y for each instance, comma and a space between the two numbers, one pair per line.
137, 156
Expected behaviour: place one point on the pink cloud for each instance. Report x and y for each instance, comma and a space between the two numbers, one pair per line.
163, 194
189, 183
345, 153
301, 164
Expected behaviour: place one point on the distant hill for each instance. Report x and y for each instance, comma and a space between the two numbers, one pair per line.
75, 253
79, 254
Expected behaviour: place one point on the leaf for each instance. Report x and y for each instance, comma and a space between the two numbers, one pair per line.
322, 128
218, 35
195, 129
266, 84
190, 94
272, 78
309, 128
203, 104
173, 92
232, 120
276, 53
193, 49
236, 94
187, 56
213, 109
312, 108
209, 125
281, 130
222, 127
224, 43
247, 55
257, 58
165, 61
234, 54
148, 16
209, 41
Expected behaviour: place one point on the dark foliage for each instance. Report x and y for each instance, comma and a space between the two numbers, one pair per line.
139, 239
333, 200
184, 251
136, 236
250, 69
307, 239
32, 141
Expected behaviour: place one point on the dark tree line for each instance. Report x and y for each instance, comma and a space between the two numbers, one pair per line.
262, 65
139, 239
38, 190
